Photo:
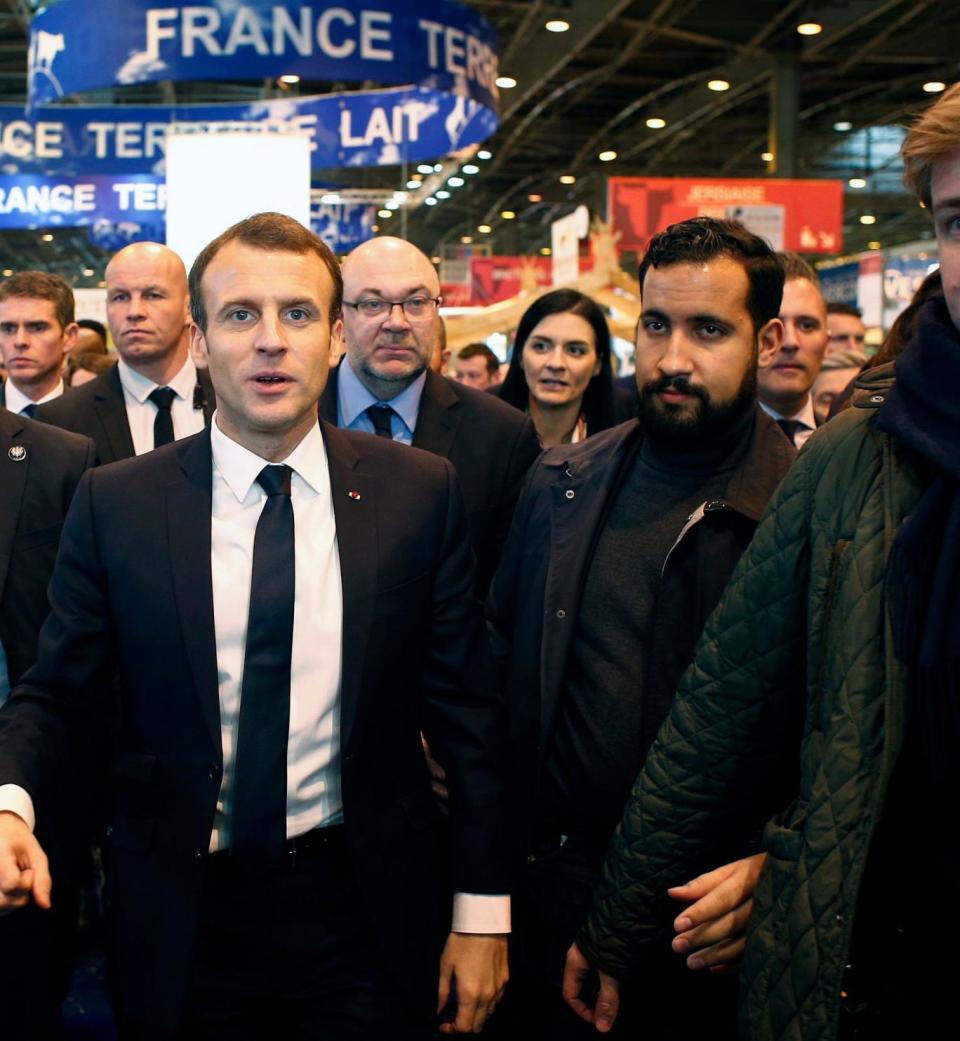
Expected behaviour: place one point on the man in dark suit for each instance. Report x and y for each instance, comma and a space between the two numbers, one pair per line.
36, 331
384, 386
289, 606
155, 393
39, 472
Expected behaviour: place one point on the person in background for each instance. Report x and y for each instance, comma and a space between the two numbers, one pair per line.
838, 369
91, 336
560, 370
845, 328
477, 366
83, 366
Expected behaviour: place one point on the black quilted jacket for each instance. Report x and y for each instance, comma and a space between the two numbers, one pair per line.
800, 643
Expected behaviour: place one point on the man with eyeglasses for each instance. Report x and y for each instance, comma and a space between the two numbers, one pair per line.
384, 386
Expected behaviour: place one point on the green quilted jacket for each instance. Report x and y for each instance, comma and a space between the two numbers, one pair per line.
794, 667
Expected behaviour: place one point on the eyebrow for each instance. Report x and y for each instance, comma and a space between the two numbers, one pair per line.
408, 292
254, 305
703, 319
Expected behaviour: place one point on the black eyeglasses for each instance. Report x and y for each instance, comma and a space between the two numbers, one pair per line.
412, 307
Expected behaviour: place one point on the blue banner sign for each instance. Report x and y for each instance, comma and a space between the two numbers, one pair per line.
366, 128
342, 226
79, 45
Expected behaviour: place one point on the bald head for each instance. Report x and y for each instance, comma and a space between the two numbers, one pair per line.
148, 309
388, 351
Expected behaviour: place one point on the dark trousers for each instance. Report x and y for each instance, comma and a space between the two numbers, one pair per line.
289, 953
553, 899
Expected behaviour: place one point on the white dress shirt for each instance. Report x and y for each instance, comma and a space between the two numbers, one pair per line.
17, 401
141, 412
805, 417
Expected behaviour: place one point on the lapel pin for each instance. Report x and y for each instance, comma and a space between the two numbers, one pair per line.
351, 495
18, 453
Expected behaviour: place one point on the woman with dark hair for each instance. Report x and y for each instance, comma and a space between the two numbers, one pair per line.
560, 369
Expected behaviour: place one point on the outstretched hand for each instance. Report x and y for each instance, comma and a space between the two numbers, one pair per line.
24, 872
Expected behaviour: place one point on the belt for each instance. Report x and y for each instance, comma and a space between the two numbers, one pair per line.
301, 848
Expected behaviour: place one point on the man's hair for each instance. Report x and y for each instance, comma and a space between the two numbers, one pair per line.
91, 323
480, 350
843, 360
707, 238
38, 285
935, 134
838, 307
794, 266
273, 233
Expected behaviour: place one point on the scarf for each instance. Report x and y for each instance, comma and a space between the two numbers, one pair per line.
923, 573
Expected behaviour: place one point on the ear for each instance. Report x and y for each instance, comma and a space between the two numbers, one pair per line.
769, 341
596, 369
70, 334
198, 346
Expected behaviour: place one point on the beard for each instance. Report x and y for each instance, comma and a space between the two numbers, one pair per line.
695, 422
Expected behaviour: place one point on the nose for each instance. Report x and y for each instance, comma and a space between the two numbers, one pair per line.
789, 335
676, 359
556, 359
271, 336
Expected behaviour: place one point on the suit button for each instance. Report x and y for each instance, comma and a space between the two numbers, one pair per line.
561, 614
198, 854
214, 772
570, 493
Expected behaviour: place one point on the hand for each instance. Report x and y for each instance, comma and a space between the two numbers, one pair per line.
478, 962
712, 931
437, 773
24, 872
604, 1014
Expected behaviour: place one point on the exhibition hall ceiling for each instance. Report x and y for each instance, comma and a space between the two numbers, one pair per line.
592, 89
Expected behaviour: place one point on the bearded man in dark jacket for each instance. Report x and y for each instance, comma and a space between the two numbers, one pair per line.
620, 549
845, 612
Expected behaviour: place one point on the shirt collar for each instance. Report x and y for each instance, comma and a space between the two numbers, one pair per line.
806, 417
239, 467
354, 398
17, 401
140, 387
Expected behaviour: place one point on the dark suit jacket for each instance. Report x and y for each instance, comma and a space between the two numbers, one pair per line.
98, 409
491, 446
133, 587
3, 394
36, 486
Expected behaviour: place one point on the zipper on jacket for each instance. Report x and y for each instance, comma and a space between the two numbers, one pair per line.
713, 506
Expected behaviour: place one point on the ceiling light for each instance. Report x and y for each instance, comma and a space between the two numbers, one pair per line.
534, 198
767, 157
857, 182
507, 214
656, 123
376, 227
873, 244
466, 239
868, 218
546, 250
557, 25
88, 272
442, 194
413, 185
470, 168
431, 201
505, 82
290, 79
718, 85
393, 205
425, 168
101, 285
608, 156
400, 196
843, 126
484, 154
386, 214
809, 28
330, 199
434, 260
455, 182
484, 229
437, 167
934, 87
568, 178
46, 238
7, 272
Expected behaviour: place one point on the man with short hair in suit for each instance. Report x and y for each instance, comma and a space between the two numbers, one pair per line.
39, 472
289, 606
155, 394
36, 331
385, 386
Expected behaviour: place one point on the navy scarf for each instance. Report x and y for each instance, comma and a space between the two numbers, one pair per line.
922, 412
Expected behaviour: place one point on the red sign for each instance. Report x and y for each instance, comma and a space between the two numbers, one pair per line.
803, 216
501, 278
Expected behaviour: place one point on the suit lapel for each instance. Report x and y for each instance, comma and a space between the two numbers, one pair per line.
354, 507
328, 399
437, 419
190, 495
13, 481
208, 397
111, 412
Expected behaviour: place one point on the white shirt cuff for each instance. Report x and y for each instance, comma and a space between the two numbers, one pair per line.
16, 800
479, 913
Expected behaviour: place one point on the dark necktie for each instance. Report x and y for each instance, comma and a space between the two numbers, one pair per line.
380, 417
162, 397
29, 410
790, 427
259, 818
